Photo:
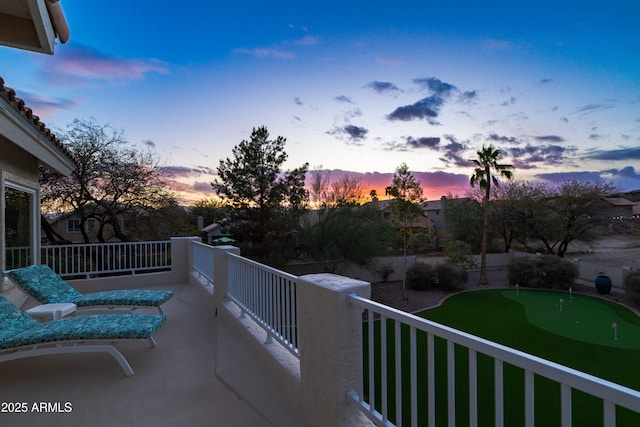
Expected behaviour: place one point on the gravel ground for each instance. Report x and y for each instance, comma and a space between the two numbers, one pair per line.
390, 293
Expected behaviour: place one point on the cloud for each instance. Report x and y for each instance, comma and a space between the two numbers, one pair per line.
453, 152
560, 177
297, 101
503, 139
425, 109
267, 52
76, 65
342, 98
436, 86
429, 108
383, 87
354, 134
356, 112
627, 172
434, 184
510, 101
410, 142
187, 172
423, 142
549, 138
532, 156
468, 96
546, 81
43, 106
594, 107
202, 187
625, 179
631, 153
495, 44
149, 143
307, 41
385, 60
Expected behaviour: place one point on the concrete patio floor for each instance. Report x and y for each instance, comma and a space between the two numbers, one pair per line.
175, 384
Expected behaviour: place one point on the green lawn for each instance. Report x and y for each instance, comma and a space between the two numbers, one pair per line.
579, 336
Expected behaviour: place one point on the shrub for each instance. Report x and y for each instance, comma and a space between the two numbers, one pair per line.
632, 285
521, 271
459, 253
557, 273
420, 276
450, 277
547, 271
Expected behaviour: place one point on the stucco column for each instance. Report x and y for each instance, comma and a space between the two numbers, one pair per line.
330, 360
181, 258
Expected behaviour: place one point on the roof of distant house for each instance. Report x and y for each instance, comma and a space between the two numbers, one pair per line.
620, 201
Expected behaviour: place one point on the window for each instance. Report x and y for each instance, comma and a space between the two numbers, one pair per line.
91, 225
73, 225
19, 226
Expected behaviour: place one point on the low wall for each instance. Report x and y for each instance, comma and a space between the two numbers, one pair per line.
396, 264
315, 384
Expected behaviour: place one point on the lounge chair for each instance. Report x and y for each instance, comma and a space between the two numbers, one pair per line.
21, 336
43, 284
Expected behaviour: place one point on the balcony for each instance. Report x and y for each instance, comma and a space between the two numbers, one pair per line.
245, 344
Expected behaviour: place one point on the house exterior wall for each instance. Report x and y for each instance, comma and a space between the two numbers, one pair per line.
61, 227
21, 168
18, 162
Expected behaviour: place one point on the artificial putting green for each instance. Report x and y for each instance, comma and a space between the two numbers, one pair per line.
580, 336
579, 317
530, 321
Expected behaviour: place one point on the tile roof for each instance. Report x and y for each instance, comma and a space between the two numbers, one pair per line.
9, 95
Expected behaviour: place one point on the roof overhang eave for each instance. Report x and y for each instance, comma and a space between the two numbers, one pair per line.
37, 34
17, 130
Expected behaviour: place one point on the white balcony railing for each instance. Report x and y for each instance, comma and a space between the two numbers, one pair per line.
17, 257
612, 395
86, 260
268, 296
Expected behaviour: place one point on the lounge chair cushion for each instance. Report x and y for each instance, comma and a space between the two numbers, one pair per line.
18, 329
47, 287
42, 283
12, 320
144, 298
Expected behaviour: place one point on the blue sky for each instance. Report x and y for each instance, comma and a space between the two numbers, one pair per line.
357, 87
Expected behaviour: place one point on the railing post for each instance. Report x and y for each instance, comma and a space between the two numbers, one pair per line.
220, 273
330, 334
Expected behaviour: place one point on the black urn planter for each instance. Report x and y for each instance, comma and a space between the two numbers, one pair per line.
603, 284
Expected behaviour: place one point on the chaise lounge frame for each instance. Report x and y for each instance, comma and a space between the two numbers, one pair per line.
46, 287
22, 337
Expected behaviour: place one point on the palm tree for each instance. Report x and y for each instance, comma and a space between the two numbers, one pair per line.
487, 162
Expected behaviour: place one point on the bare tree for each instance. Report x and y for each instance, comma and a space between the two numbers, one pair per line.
112, 180
319, 186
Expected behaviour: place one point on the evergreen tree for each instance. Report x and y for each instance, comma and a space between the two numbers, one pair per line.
266, 203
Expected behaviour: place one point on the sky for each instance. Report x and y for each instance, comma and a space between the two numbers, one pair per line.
356, 87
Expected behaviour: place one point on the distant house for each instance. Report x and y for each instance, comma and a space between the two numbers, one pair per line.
423, 224
68, 227
619, 208
214, 233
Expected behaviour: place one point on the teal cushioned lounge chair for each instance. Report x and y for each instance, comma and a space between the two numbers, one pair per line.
43, 284
21, 336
